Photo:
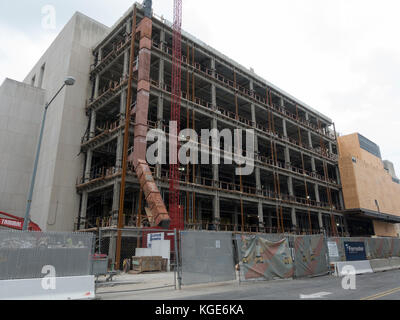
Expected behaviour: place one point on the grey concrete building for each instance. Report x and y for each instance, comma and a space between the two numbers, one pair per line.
55, 203
295, 185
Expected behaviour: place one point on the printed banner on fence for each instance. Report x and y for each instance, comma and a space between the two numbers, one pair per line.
310, 256
355, 251
262, 259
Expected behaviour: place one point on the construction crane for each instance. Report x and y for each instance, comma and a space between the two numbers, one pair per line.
175, 210
16, 223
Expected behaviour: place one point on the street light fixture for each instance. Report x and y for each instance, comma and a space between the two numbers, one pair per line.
69, 81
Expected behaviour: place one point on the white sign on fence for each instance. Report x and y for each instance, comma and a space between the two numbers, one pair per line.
333, 249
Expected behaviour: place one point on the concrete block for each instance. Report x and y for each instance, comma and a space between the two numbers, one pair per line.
68, 288
379, 265
394, 263
361, 267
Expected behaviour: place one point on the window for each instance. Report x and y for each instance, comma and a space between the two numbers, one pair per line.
33, 81
41, 76
354, 159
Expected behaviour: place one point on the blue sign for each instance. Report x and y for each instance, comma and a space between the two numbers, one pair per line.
355, 251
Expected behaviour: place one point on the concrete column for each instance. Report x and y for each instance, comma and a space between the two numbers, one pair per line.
83, 212
97, 86
93, 117
112, 248
253, 115
310, 139
162, 38
88, 165
284, 126
100, 57
309, 132
330, 148
287, 156
316, 190
260, 214
287, 150
213, 68
294, 218
290, 186
216, 210
320, 221
115, 204
215, 167
161, 72
253, 107
313, 166
213, 87
258, 178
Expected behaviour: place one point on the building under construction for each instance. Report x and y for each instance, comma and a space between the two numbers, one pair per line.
295, 186
136, 76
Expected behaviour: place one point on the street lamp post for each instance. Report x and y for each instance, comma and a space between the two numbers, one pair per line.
69, 81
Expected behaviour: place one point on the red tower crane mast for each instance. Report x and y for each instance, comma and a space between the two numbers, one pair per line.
176, 214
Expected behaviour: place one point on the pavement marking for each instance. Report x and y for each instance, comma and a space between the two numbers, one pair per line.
318, 295
382, 294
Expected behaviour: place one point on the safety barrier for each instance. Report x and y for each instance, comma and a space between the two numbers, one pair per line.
360, 267
394, 262
65, 288
379, 265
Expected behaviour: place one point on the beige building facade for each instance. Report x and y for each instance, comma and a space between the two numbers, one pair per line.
371, 193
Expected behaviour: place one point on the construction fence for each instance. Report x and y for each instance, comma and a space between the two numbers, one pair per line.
215, 256
32, 255
208, 257
272, 256
148, 253
375, 248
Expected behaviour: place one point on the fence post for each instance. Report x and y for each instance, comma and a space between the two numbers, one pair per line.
177, 267
99, 240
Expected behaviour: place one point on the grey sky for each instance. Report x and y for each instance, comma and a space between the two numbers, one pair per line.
342, 57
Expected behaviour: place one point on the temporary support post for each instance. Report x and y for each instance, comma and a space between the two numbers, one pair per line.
177, 264
239, 150
126, 142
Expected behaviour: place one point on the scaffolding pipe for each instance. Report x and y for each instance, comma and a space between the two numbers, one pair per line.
126, 142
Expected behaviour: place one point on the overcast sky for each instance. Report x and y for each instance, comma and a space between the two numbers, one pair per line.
341, 57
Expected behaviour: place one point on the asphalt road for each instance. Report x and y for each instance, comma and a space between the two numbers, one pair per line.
377, 286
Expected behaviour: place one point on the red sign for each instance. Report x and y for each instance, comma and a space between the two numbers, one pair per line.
11, 223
